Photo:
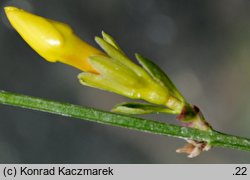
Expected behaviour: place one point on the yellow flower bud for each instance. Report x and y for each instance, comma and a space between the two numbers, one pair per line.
112, 71
54, 41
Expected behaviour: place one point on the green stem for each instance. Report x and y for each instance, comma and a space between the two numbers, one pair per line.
90, 114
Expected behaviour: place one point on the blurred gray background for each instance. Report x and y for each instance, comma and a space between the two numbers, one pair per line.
204, 46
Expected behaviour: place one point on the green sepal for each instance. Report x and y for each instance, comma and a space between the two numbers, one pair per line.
104, 83
158, 75
116, 54
109, 39
113, 69
140, 108
118, 74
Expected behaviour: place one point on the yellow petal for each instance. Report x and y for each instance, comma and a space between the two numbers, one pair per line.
54, 41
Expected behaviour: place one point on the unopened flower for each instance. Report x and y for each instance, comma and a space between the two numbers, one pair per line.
54, 41
112, 71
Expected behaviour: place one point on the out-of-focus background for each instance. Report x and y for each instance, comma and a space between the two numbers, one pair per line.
204, 46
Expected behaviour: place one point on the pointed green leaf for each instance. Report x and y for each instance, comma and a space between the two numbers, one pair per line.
140, 108
159, 75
